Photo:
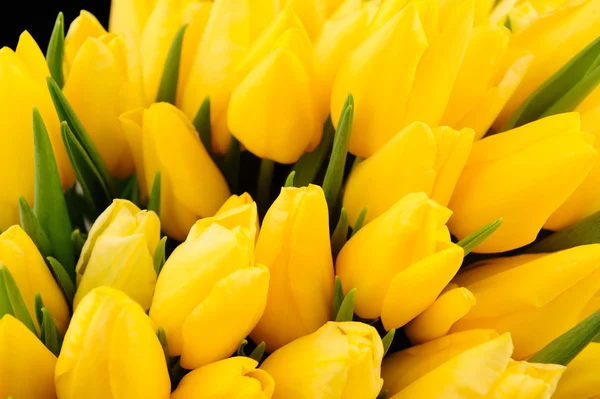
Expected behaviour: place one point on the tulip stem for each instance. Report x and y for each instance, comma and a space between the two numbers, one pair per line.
263, 189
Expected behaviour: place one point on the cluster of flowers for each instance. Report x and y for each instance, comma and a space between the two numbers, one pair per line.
436, 235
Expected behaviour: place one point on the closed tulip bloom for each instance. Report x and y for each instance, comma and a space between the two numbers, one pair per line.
235, 201
294, 245
26, 366
130, 16
119, 253
314, 13
233, 25
400, 262
485, 371
400, 369
394, 74
234, 377
339, 360
104, 80
210, 294
164, 140
274, 111
418, 159
585, 200
581, 377
553, 38
22, 258
552, 296
111, 351
523, 176
23, 76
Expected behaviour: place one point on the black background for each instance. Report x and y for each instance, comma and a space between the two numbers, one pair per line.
38, 17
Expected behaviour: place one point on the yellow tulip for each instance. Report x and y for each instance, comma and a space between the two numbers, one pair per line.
274, 111
163, 140
119, 253
210, 294
130, 16
235, 201
482, 370
522, 176
233, 377
418, 159
23, 76
104, 81
111, 351
22, 258
585, 200
400, 369
581, 377
233, 25
553, 38
294, 245
339, 360
26, 366
314, 13
410, 260
552, 296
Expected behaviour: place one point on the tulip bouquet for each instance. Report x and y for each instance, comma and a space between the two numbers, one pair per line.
427, 215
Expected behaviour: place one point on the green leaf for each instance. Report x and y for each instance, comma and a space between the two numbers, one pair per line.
231, 165
15, 305
586, 231
50, 335
154, 200
39, 305
162, 338
387, 340
56, 46
289, 181
566, 347
95, 192
167, 91
64, 281
31, 226
346, 312
338, 297
359, 221
508, 23
258, 352
202, 125
340, 234
159, 255
131, 191
308, 166
263, 188
67, 114
78, 238
571, 99
552, 90
76, 207
472, 241
334, 176
241, 347
50, 207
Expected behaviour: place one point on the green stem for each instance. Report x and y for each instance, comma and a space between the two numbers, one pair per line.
263, 189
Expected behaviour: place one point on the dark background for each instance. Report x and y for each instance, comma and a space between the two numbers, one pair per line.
38, 16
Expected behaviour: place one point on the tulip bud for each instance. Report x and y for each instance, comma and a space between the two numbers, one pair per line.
581, 377
21, 256
273, 111
130, 16
410, 257
26, 366
111, 351
552, 294
585, 200
481, 370
418, 159
394, 74
235, 201
553, 38
119, 253
339, 360
233, 377
23, 76
210, 294
104, 80
400, 369
522, 176
232, 26
163, 140
294, 245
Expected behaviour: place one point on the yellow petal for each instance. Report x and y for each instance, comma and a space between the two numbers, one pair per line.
580, 379
130, 16
522, 380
